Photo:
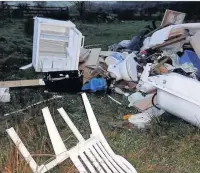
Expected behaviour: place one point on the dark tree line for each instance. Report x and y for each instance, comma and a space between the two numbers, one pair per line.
88, 11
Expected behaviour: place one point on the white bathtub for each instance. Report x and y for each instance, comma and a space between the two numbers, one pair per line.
178, 95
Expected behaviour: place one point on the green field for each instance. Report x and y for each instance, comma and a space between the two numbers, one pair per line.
168, 146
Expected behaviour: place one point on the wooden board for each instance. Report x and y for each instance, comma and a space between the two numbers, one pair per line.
101, 59
173, 17
86, 72
176, 32
20, 83
94, 57
168, 42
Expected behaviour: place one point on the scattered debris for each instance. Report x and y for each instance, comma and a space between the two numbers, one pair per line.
155, 62
119, 91
114, 100
4, 95
44, 101
142, 120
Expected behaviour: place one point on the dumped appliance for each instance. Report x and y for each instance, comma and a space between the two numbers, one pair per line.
56, 45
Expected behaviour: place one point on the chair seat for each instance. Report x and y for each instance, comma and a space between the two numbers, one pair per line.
93, 156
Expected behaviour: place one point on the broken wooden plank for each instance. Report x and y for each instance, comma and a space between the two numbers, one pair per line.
84, 54
94, 57
21, 83
176, 32
168, 42
86, 72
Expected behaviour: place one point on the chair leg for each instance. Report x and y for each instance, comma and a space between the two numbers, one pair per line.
56, 140
23, 150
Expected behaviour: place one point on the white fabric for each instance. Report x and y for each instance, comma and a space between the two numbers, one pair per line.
160, 36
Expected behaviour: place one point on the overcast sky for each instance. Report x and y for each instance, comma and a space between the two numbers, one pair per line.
49, 3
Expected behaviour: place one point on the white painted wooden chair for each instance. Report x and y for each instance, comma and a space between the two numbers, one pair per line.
89, 156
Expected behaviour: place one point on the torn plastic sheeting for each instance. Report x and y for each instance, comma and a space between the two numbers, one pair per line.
124, 43
160, 36
95, 84
146, 44
134, 43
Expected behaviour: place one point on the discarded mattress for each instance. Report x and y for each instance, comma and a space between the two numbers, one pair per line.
178, 95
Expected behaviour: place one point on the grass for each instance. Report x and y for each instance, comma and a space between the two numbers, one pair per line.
168, 145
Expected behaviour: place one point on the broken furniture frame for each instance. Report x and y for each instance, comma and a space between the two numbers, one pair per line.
95, 152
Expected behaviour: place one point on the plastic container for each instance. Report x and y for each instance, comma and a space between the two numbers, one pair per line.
126, 70
114, 58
